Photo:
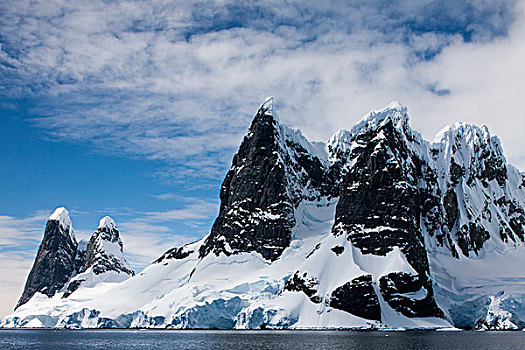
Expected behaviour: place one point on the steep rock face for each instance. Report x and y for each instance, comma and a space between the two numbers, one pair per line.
379, 203
483, 196
105, 251
103, 259
274, 169
358, 297
382, 198
55, 261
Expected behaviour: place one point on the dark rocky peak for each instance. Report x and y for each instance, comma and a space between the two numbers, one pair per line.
105, 250
381, 190
274, 169
101, 259
346, 145
55, 260
384, 191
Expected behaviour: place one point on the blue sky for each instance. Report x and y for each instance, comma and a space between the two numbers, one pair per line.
134, 109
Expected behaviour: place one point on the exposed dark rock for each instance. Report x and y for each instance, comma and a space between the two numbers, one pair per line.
103, 253
98, 258
80, 257
300, 283
471, 238
339, 249
73, 286
358, 298
256, 214
54, 263
397, 287
382, 201
450, 203
456, 172
378, 193
265, 183
176, 253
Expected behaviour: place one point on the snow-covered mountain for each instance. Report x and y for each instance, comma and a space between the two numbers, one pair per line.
376, 228
55, 260
103, 259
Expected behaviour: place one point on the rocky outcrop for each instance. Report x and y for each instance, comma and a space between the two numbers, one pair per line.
103, 259
105, 250
55, 260
358, 298
273, 171
483, 196
63, 265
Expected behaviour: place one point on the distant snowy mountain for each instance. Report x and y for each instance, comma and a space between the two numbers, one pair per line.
376, 228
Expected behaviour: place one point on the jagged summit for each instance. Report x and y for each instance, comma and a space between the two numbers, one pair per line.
467, 133
395, 111
267, 106
61, 262
105, 250
61, 215
102, 259
55, 260
106, 221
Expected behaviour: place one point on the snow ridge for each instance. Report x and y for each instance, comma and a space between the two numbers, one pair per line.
106, 221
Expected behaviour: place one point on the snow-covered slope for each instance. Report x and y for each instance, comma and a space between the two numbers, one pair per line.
64, 265
377, 228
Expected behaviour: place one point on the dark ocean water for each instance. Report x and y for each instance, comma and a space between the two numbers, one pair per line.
246, 340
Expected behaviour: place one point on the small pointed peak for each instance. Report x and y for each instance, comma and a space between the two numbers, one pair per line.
61, 215
267, 108
394, 105
395, 111
267, 105
468, 131
106, 221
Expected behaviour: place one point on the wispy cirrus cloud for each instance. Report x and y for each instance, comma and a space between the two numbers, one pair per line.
13, 265
193, 220
19, 240
21, 233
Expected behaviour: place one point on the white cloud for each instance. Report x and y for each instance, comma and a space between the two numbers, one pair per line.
144, 242
199, 209
16, 233
13, 265
19, 240
179, 81
164, 196
148, 235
